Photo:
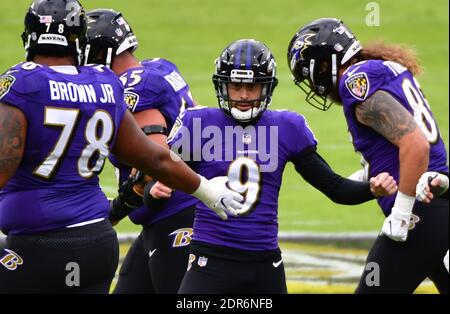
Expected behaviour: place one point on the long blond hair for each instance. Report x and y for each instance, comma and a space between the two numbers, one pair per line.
392, 52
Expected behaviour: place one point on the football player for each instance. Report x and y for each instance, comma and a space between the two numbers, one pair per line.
58, 123
155, 93
393, 128
251, 145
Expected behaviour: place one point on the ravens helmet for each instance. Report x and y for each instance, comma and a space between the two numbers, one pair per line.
314, 55
108, 35
54, 28
245, 61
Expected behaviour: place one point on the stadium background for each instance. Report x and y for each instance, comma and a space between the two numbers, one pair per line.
191, 33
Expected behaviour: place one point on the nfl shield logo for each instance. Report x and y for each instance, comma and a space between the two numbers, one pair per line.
246, 138
202, 261
119, 32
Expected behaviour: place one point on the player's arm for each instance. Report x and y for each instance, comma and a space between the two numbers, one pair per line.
134, 149
384, 114
315, 170
154, 126
13, 128
131, 192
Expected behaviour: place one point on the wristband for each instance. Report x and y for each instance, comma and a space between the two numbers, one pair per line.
403, 203
150, 202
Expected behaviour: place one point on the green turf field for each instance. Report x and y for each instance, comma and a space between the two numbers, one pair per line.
191, 33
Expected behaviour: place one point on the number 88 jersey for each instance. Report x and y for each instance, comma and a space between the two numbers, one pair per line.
358, 83
73, 115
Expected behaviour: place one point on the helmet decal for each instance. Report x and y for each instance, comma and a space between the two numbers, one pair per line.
301, 44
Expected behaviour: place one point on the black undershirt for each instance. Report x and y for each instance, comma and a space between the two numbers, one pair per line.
315, 170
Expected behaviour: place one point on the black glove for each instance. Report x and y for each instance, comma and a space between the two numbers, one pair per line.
150, 202
127, 200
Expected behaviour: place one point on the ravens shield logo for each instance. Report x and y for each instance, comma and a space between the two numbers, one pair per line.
131, 100
6, 82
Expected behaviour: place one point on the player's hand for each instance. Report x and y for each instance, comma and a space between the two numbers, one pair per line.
159, 190
396, 226
431, 184
383, 185
127, 200
215, 194
139, 180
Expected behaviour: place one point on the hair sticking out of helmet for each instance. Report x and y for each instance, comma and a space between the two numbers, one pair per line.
314, 56
54, 28
245, 61
108, 35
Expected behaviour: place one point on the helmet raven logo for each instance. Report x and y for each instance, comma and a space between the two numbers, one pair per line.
299, 47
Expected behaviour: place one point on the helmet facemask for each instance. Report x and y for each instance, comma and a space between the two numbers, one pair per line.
98, 53
317, 80
257, 105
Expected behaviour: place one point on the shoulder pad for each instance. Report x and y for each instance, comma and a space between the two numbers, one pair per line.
18, 78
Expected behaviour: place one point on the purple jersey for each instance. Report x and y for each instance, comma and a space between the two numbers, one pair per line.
156, 85
73, 120
253, 158
358, 83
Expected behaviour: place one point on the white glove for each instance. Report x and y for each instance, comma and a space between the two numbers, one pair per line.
446, 260
215, 194
424, 186
396, 225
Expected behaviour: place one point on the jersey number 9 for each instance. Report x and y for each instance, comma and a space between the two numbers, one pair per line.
244, 177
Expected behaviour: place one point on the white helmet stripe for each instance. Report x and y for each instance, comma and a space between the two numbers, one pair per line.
127, 44
351, 51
